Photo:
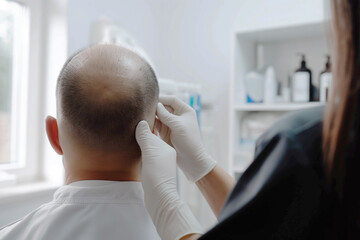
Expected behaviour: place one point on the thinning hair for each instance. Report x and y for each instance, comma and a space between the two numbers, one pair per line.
102, 93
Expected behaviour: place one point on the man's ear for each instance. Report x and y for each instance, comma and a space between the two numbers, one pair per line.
52, 132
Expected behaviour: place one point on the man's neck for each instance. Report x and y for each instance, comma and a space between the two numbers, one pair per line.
100, 166
74, 176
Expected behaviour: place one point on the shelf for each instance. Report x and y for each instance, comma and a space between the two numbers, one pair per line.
283, 33
276, 107
277, 46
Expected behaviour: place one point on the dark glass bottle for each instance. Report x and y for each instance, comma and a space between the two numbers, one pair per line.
302, 77
325, 81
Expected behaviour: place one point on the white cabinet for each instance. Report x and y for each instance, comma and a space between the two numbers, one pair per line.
280, 47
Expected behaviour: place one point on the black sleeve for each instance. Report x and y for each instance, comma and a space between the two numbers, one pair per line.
277, 197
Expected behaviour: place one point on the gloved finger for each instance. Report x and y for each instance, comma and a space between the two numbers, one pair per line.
142, 133
164, 131
174, 102
158, 125
170, 109
164, 115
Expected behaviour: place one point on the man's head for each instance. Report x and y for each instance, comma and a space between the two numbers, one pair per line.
102, 93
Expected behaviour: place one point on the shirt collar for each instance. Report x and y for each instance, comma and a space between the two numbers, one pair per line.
99, 191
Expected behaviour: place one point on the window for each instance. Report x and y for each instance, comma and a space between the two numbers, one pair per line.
13, 85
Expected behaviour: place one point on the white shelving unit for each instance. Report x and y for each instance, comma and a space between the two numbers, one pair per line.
281, 45
276, 107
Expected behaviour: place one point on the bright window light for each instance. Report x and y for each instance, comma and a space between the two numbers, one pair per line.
13, 84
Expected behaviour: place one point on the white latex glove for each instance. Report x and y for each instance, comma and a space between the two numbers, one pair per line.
172, 218
185, 136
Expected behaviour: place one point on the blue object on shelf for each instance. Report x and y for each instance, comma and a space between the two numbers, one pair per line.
250, 100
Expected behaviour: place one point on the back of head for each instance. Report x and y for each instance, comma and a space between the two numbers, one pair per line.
341, 135
102, 93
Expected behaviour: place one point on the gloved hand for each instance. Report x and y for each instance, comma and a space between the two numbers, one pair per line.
172, 218
185, 136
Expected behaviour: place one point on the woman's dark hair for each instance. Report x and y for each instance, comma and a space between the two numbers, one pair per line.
341, 129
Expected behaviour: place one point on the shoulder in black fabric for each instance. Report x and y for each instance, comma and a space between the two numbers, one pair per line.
281, 194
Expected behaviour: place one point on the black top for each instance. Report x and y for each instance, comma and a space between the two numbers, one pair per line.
282, 193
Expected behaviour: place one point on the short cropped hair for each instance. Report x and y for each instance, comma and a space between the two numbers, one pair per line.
102, 93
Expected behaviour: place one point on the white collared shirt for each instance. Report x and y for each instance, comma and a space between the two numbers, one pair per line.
88, 210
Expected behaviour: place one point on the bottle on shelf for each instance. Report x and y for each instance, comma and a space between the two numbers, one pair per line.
270, 88
302, 87
325, 81
255, 79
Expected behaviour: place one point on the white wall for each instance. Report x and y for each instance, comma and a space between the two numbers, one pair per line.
260, 14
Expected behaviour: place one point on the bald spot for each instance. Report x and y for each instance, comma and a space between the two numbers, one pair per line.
102, 93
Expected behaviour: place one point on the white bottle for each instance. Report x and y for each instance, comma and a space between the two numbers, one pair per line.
254, 84
270, 85
301, 83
